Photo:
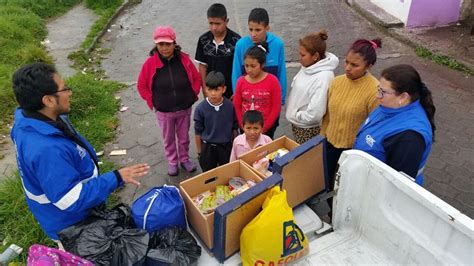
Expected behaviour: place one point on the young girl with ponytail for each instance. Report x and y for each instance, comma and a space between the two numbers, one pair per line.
309, 89
351, 98
258, 90
400, 131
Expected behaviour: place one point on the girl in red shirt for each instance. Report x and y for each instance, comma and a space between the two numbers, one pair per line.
258, 90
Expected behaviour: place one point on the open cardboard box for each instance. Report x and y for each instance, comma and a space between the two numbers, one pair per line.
258, 153
204, 224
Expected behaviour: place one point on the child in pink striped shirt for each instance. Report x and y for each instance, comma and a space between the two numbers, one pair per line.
252, 137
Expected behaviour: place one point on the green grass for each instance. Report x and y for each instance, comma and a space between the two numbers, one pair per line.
17, 224
443, 60
94, 107
42, 8
21, 32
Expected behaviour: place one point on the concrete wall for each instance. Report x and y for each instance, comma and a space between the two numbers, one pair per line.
423, 13
396, 8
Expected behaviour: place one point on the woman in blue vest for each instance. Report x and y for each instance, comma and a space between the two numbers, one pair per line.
400, 131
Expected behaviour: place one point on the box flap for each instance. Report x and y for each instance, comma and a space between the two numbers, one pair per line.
258, 153
235, 214
307, 163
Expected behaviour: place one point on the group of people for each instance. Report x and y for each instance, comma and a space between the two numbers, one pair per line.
243, 74
244, 87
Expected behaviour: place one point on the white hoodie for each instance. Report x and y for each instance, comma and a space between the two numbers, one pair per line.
309, 89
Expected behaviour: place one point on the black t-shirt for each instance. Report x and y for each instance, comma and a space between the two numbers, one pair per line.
218, 57
172, 89
404, 151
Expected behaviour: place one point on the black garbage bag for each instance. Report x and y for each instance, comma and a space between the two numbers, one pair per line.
107, 237
172, 246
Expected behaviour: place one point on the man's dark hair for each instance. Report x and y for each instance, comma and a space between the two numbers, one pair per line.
259, 15
252, 117
217, 10
32, 82
215, 79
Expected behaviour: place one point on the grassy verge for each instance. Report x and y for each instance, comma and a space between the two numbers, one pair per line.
93, 103
443, 60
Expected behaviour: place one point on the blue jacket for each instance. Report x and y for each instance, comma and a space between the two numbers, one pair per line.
60, 179
385, 122
274, 64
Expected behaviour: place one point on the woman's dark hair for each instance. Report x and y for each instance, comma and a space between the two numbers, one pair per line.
215, 79
252, 117
258, 52
260, 16
315, 43
366, 49
154, 50
217, 10
405, 78
31, 83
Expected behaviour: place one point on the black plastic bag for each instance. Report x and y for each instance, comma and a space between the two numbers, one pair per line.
107, 237
172, 246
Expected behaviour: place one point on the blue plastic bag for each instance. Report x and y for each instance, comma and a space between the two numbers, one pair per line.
159, 208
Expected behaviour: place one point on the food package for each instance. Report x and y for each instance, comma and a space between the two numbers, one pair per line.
208, 201
262, 166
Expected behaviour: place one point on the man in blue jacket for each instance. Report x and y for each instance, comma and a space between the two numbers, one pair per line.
58, 167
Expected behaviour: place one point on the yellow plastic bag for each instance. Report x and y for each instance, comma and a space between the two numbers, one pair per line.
273, 238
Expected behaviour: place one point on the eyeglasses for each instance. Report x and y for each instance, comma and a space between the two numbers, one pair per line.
66, 88
382, 92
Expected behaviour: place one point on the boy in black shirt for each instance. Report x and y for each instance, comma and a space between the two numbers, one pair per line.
215, 48
215, 124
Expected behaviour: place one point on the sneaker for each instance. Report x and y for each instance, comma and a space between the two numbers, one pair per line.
172, 170
189, 166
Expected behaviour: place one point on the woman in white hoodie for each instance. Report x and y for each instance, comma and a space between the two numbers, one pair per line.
308, 96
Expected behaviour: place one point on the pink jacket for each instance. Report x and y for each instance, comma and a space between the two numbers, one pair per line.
145, 78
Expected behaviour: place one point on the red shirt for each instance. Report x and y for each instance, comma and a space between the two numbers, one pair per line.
263, 96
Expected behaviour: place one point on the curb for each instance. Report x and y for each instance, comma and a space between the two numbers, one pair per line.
107, 26
375, 14
395, 29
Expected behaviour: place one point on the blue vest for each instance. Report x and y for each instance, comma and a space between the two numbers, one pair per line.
385, 122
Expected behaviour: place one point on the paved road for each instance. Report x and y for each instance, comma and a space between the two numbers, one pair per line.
449, 172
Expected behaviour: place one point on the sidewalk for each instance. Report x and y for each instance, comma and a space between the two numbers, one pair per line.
454, 41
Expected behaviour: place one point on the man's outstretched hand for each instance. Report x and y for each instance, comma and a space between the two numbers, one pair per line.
130, 173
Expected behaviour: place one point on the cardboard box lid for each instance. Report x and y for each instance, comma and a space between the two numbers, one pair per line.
256, 154
231, 218
307, 163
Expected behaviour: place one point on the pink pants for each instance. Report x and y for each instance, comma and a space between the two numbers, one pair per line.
175, 128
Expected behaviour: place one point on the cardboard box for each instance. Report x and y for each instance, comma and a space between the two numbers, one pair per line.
231, 218
258, 153
204, 224
303, 170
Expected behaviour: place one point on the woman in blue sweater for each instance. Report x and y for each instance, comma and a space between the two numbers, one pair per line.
400, 131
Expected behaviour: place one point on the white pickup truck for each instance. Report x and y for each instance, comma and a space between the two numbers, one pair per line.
381, 217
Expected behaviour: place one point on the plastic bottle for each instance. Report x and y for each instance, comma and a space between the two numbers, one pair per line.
9, 254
